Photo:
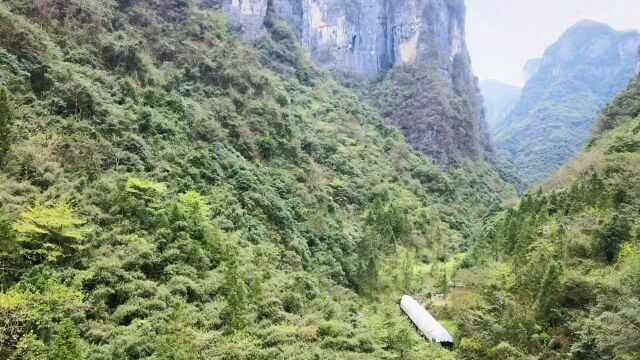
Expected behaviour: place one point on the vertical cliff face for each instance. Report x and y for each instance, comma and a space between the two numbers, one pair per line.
368, 37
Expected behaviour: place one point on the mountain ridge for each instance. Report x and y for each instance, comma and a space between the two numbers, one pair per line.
579, 74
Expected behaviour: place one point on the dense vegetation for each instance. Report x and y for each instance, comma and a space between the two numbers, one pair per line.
579, 74
438, 119
170, 192
557, 276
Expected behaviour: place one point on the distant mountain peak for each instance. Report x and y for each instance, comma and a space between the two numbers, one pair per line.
589, 23
499, 99
578, 74
494, 82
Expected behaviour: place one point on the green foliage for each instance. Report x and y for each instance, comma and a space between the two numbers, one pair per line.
236, 293
50, 233
546, 300
5, 125
230, 201
572, 256
631, 277
612, 236
147, 189
30, 348
67, 344
625, 106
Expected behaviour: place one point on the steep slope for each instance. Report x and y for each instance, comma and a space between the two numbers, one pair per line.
561, 269
580, 73
441, 114
531, 67
170, 192
499, 99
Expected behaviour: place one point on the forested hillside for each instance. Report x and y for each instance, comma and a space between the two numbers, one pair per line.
168, 191
578, 75
557, 275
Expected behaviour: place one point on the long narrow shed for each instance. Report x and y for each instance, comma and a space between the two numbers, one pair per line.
427, 325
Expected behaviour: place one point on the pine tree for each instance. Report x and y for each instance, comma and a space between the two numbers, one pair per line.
548, 292
5, 125
67, 345
407, 272
235, 292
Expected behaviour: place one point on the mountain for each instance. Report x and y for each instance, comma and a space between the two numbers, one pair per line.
499, 99
531, 67
178, 182
417, 48
562, 267
578, 74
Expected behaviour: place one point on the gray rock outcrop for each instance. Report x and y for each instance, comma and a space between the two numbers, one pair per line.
368, 37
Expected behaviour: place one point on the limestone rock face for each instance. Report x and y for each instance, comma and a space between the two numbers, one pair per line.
364, 37
249, 14
368, 37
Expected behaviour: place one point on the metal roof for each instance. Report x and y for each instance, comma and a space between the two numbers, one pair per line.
424, 321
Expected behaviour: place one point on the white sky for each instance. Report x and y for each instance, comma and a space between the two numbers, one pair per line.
503, 34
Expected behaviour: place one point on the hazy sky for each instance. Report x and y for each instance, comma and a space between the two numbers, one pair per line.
503, 34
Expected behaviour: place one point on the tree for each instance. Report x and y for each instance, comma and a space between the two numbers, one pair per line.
369, 259
443, 281
548, 293
50, 233
179, 340
194, 208
5, 126
7, 247
407, 272
631, 277
30, 348
390, 221
612, 236
400, 339
235, 292
67, 344
586, 345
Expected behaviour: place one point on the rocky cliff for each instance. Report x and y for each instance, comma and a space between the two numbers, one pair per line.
577, 75
368, 37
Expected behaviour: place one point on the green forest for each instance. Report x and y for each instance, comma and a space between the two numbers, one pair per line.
171, 191
562, 265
